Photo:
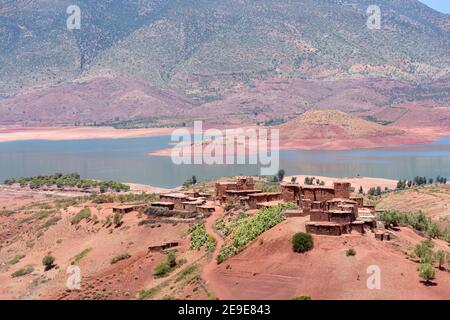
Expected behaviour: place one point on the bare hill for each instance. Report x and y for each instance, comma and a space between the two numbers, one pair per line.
332, 129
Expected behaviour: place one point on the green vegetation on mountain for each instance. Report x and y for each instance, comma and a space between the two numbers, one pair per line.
205, 48
67, 180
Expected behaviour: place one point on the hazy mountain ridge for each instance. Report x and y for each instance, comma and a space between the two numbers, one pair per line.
249, 61
206, 48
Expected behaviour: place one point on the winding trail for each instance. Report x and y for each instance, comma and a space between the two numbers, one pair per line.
208, 270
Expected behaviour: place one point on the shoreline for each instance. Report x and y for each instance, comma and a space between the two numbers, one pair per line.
19, 133
413, 136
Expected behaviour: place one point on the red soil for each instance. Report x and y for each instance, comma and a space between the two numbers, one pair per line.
269, 269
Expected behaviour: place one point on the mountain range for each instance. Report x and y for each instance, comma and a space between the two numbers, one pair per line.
248, 60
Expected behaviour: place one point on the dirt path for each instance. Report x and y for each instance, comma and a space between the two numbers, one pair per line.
210, 266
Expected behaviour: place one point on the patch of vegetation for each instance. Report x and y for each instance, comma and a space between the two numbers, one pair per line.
67, 180
167, 266
199, 238
427, 272
268, 186
302, 242
44, 214
375, 120
302, 298
416, 220
50, 222
84, 213
350, 252
419, 181
185, 273
6, 212
48, 262
22, 272
190, 182
309, 181
248, 228
117, 219
124, 197
80, 256
120, 258
16, 259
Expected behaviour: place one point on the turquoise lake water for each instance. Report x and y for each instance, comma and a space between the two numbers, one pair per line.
128, 160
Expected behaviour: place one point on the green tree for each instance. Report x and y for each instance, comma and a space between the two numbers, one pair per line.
427, 272
302, 242
117, 219
361, 190
48, 262
440, 257
280, 175
424, 251
171, 259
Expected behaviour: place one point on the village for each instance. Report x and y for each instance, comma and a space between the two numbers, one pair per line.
332, 210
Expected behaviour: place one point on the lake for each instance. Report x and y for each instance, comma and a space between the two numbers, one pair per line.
128, 160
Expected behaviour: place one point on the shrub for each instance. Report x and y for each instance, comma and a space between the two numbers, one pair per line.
80, 256
48, 262
120, 258
424, 251
440, 257
302, 242
171, 260
84, 213
350, 252
199, 238
427, 272
117, 219
161, 269
16, 259
23, 272
302, 298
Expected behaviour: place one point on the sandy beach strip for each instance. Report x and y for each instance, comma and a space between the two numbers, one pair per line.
20, 133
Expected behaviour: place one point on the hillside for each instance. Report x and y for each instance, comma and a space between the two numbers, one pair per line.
336, 130
269, 269
206, 48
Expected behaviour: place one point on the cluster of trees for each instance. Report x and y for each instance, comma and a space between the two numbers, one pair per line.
416, 220
278, 177
309, 181
419, 181
374, 191
190, 182
67, 180
424, 251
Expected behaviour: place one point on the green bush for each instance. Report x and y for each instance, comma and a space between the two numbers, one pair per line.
199, 238
48, 262
427, 272
84, 213
302, 298
302, 242
350, 252
120, 258
171, 260
16, 259
161, 269
117, 219
23, 272
247, 229
424, 251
